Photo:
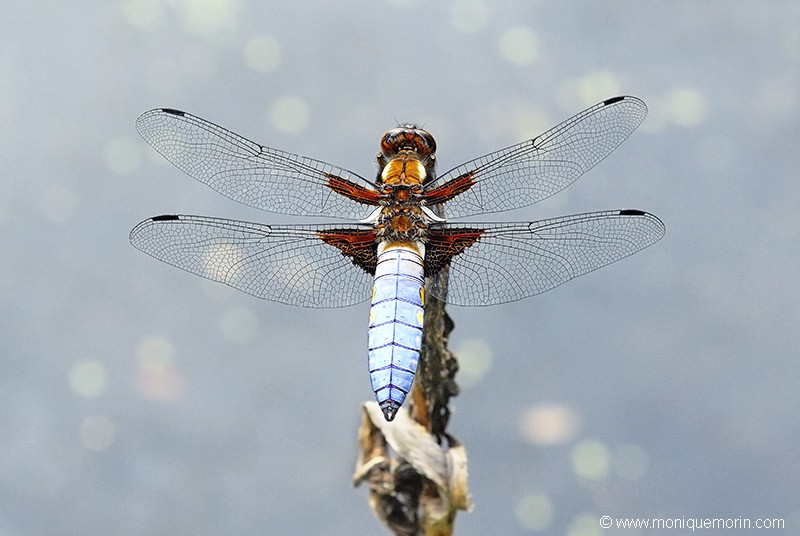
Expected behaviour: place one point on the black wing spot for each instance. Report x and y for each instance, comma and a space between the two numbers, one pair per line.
632, 212
613, 100
173, 111
165, 217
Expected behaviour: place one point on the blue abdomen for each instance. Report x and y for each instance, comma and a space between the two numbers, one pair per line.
395, 324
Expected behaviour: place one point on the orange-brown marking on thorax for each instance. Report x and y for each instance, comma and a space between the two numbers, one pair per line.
404, 170
401, 223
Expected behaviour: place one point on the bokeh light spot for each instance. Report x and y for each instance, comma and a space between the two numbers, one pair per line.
142, 14
88, 378
263, 53
529, 123
584, 524
474, 361
210, 17
238, 325
290, 114
97, 432
534, 512
157, 376
687, 107
123, 155
589, 89
155, 348
549, 424
630, 462
518, 45
591, 460
469, 16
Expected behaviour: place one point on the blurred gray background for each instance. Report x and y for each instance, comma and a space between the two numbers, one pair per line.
139, 399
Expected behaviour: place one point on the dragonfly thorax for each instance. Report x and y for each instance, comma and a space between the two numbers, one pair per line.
402, 223
405, 169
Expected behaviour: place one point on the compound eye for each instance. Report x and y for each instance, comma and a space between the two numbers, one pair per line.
428, 140
389, 142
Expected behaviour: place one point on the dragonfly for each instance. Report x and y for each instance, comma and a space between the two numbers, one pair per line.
395, 237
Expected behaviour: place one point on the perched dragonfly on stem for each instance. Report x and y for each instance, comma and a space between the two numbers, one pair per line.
401, 238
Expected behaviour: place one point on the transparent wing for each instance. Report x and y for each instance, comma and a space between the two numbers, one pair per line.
511, 261
247, 172
533, 170
288, 264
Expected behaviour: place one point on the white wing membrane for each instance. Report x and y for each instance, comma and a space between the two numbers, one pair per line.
512, 261
258, 176
533, 170
288, 264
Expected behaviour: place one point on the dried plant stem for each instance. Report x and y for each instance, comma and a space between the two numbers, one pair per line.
416, 471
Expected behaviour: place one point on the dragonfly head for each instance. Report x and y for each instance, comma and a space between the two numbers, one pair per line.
408, 138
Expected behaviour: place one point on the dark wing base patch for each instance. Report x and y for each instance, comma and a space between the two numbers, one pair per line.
444, 244
356, 244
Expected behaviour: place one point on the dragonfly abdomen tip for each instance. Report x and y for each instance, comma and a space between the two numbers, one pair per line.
389, 408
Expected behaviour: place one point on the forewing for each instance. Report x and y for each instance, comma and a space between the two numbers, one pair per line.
533, 170
258, 176
503, 262
290, 264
